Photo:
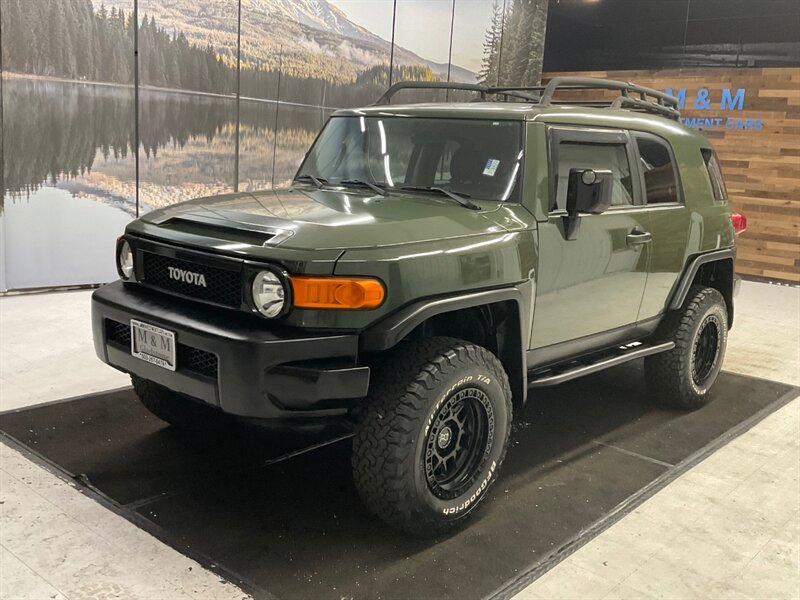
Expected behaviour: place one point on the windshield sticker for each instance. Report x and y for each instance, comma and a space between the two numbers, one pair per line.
491, 167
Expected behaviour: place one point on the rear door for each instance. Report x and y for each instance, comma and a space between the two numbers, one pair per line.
593, 284
671, 223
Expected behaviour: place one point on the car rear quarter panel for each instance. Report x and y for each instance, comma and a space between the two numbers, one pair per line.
699, 225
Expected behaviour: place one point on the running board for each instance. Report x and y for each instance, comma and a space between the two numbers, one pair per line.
625, 353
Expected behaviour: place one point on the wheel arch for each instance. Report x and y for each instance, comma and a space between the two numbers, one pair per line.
490, 318
714, 270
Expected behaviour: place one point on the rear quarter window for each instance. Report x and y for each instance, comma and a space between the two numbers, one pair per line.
715, 174
658, 168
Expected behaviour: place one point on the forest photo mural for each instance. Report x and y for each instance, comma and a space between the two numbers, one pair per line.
231, 93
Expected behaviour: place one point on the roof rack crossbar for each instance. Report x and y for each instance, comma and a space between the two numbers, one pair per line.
517, 92
591, 103
645, 105
660, 100
430, 85
513, 88
604, 84
509, 93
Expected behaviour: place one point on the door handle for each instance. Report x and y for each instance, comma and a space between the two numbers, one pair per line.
636, 238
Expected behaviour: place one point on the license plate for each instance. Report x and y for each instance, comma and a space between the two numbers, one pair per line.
153, 344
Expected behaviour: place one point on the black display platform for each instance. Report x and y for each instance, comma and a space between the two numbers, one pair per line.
287, 523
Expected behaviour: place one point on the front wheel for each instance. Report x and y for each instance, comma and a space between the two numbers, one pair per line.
682, 377
433, 435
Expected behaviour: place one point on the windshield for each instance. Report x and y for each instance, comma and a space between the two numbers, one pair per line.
472, 158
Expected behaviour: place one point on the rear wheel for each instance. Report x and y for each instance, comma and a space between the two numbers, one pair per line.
433, 435
683, 376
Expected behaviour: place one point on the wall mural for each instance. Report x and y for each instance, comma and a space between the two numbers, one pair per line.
68, 127
513, 44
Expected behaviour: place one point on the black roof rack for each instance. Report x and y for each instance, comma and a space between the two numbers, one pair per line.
661, 103
632, 96
442, 85
429, 85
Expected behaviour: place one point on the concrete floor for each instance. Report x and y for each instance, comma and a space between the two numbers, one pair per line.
728, 528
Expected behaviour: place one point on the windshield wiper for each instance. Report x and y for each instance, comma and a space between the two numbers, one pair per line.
317, 181
376, 187
458, 197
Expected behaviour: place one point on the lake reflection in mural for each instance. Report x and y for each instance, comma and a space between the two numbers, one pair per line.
76, 140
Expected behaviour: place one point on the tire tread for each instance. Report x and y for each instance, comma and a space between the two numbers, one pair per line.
666, 372
395, 413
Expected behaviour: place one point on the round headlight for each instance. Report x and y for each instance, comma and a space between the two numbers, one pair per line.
125, 259
269, 295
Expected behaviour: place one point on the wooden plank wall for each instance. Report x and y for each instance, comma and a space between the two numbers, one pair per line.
761, 167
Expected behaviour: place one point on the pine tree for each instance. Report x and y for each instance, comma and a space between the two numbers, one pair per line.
54, 64
12, 28
83, 33
538, 28
491, 47
523, 42
510, 42
173, 71
70, 32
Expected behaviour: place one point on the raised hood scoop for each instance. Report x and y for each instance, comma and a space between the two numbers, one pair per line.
324, 218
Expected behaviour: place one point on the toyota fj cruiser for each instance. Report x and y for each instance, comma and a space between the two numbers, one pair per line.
430, 267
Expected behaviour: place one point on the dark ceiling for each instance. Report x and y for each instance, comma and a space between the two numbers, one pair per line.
642, 34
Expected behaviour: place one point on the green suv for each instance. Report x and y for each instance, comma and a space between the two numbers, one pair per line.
430, 267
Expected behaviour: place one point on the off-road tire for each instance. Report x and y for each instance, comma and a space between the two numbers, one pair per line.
671, 376
174, 408
405, 415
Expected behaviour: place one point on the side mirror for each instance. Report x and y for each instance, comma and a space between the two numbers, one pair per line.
588, 191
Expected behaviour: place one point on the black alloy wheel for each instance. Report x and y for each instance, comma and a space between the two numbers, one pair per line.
706, 350
458, 443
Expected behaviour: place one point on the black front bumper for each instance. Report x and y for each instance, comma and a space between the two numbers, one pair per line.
236, 362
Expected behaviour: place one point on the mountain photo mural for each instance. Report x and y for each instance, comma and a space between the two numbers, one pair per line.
306, 40
68, 125
513, 48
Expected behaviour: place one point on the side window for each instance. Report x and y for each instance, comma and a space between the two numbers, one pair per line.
660, 181
600, 157
715, 174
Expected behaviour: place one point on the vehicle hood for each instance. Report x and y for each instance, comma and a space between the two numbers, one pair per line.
321, 219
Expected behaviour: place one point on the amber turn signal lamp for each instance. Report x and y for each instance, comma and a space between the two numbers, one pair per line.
337, 292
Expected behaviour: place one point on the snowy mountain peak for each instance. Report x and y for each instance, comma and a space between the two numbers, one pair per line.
319, 14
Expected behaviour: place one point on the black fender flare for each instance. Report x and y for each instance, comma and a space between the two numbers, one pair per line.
681, 289
391, 330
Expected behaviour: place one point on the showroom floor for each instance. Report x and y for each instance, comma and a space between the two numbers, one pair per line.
730, 527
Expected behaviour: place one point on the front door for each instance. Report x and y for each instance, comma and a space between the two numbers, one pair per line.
592, 284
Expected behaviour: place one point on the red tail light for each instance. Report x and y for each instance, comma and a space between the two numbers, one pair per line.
739, 223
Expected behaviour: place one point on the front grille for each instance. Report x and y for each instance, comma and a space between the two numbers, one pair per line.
189, 358
222, 286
